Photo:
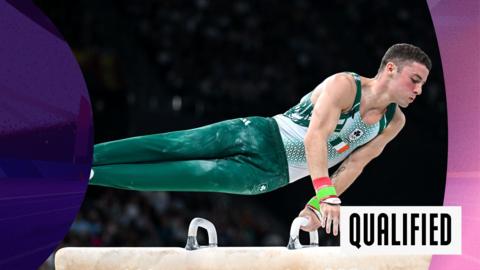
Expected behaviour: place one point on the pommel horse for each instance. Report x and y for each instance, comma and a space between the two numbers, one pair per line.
211, 257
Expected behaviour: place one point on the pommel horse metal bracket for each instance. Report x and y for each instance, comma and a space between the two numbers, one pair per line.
293, 242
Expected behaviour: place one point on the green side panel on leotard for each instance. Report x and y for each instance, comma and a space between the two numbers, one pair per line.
302, 112
387, 117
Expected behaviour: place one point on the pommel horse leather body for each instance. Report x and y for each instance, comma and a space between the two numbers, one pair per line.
195, 257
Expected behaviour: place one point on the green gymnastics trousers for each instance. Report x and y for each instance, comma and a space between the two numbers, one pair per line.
240, 156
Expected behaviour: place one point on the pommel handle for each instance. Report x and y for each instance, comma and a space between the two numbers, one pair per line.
192, 243
294, 242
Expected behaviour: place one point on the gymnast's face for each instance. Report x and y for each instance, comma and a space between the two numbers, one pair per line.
407, 82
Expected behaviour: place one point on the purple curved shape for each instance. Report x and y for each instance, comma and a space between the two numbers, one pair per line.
45, 136
457, 25
34, 13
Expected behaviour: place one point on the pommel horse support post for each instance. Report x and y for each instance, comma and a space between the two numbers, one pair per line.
196, 257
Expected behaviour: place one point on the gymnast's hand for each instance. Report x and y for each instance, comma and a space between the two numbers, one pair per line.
313, 219
328, 218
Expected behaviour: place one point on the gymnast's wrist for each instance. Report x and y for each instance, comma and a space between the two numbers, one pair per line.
325, 191
314, 202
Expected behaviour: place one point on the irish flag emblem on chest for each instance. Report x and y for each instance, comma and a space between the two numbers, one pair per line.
339, 145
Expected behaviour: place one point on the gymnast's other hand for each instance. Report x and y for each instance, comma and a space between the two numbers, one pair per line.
313, 219
330, 217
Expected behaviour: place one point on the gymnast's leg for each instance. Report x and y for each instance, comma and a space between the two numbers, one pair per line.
212, 141
230, 175
242, 156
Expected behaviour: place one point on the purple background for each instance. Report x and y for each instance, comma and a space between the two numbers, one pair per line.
46, 131
45, 136
457, 25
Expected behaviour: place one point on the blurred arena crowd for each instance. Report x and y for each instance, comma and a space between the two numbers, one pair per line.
155, 66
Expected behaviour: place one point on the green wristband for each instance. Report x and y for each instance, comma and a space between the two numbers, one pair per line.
326, 192
314, 202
